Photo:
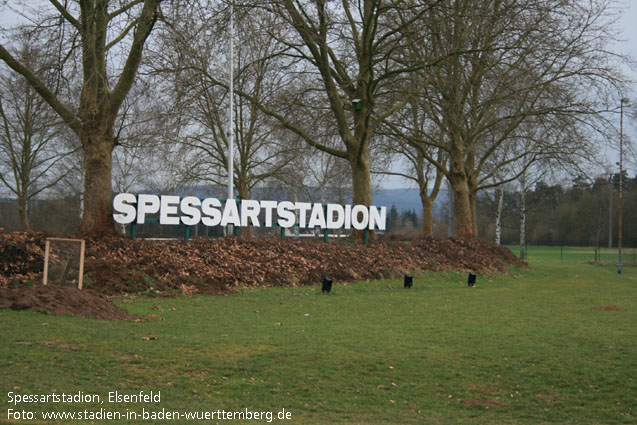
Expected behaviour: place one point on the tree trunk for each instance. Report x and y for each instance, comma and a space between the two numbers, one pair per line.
462, 206
473, 196
427, 216
523, 218
24, 213
472, 182
498, 215
362, 187
97, 216
462, 203
427, 199
244, 193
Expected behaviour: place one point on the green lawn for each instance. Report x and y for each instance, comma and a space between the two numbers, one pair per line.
532, 347
605, 255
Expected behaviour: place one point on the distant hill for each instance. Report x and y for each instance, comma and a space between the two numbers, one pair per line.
406, 199
403, 199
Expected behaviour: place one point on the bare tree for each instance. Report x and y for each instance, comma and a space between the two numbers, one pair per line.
319, 176
341, 60
146, 155
508, 64
260, 149
110, 38
408, 134
32, 139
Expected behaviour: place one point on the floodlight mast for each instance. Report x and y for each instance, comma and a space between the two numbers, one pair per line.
621, 164
229, 229
231, 112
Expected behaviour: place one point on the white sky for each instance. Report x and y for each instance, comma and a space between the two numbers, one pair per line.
629, 20
629, 46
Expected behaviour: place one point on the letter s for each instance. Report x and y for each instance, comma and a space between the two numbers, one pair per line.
211, 215
125, 211
286, 217
188, 207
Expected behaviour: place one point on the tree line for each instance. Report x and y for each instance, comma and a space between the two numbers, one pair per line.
583, 214
100, 95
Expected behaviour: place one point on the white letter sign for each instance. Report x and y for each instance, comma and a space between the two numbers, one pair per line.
191, 211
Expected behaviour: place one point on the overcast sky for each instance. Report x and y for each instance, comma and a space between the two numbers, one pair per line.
629, 46
629, 19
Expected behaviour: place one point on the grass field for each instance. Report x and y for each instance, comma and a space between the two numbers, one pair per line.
532, 347
605, 255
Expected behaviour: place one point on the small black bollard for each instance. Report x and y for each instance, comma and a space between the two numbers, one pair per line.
472, 279
327, 285
409, 281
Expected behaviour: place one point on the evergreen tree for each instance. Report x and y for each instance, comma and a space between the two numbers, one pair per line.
392, 219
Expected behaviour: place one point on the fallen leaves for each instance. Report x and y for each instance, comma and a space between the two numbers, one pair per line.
215, 266
22, 255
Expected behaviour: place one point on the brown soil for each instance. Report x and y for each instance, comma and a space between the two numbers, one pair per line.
61, 300
608, 308
216, 266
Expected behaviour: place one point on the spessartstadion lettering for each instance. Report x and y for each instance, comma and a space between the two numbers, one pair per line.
191, 211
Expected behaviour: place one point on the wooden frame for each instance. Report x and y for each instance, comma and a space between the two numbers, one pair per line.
47, 249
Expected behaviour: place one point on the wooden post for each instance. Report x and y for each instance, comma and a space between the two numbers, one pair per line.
47, 249
47, 246
81, 274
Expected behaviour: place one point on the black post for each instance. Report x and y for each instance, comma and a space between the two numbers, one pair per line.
409, 281
327, 285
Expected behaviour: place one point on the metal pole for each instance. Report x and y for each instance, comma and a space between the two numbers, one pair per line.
231, 112
230, 124
229, 229
621, 200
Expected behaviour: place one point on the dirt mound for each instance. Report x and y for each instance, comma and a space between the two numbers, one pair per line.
61, 300
214, 266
